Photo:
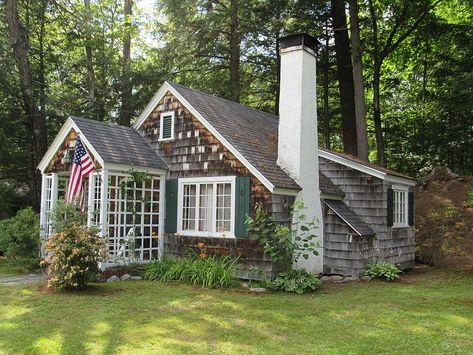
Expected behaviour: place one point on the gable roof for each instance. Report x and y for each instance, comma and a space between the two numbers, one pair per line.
355, 159
350, 218
111, 144
252, 132
119, 144
252, 136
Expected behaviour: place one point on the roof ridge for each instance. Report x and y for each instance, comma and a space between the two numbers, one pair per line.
273, 116
103, 123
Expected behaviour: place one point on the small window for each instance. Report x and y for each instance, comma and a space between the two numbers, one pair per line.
206, 206
166, 128
400, 207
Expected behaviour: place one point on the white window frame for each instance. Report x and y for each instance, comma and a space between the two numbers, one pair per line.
206, 180
161, 118
405, 190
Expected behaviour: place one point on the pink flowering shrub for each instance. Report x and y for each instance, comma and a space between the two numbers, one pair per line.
73, 257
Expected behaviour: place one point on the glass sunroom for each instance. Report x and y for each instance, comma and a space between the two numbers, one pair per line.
123, 197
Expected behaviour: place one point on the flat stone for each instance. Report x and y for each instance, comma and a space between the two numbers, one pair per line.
136, 278
125, 277
113, 278
325, 278
245, 285
366, 278
347, 280
258, 289
336, 278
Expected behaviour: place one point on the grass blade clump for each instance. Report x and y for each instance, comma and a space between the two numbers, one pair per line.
208, 272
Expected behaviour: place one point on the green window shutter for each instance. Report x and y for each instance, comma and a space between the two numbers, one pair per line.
410, 211
170, 223
390, 207
167, 127
242, 204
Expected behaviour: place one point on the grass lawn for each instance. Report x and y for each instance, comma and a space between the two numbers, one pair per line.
430, 312
7, 269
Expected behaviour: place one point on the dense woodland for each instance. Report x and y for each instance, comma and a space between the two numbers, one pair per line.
395, 78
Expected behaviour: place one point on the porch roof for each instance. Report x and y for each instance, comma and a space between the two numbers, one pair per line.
118, 144
350, 218
113, 146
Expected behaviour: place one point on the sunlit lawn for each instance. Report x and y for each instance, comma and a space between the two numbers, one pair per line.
424, 313
7, 269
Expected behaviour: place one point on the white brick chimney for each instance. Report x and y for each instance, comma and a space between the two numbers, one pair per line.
298, 143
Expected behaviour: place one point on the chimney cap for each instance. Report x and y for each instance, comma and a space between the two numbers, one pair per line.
296, 40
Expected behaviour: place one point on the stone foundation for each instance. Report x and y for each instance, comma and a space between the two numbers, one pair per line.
253, 263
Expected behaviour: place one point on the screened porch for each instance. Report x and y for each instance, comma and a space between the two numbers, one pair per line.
127, 213
123, 196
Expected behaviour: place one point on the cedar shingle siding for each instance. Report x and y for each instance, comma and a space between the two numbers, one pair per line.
367, 196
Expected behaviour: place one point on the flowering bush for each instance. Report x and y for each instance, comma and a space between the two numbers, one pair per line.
73, 258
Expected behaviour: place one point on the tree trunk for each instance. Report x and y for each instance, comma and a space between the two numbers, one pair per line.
92, 90
326, 109
36, 124
234, 53
378, 130
359, 88
345, 76
41, 76
126, 88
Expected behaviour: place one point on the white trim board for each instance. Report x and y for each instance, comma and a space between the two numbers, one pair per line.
56, 144
160, 94
365, 169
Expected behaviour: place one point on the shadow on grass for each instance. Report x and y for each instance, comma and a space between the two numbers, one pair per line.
431, 314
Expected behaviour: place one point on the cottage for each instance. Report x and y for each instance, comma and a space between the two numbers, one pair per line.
208, 161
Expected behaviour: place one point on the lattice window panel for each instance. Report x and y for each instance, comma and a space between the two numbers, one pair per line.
47, 207
124, 197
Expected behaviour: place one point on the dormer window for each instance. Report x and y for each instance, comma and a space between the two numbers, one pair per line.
166, 127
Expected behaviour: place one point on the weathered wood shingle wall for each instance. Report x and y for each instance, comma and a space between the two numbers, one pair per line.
195, 152
56, 165
345, 252
367, 196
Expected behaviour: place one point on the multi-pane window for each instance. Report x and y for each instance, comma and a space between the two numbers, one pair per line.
189, 206
133, 218
400, 208
206, 206
166, 126
224, 207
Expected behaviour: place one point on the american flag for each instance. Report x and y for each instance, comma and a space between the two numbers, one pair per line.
81, 167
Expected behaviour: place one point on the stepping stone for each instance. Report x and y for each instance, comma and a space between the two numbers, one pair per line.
258, 289
113, 278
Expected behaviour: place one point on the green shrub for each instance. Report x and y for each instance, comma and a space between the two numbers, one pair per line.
209, 272
383, 270
298, 281
73, 257
284, 244
65, 216
19, 238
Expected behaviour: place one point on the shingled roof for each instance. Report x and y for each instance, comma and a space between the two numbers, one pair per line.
252, 132
351, 218
119, 144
